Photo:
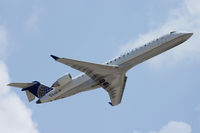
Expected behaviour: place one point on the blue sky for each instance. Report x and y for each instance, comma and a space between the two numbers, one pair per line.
161, 95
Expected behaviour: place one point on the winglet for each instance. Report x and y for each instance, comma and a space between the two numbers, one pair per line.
54, 57
110, 103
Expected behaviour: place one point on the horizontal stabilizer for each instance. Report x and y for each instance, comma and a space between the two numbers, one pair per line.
35, 88
30, 96
21, 85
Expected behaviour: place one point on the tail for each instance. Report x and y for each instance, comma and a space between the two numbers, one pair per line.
34, 89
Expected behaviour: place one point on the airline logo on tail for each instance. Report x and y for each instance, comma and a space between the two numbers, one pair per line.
33, 89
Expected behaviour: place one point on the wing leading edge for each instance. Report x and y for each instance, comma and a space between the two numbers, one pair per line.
111, 78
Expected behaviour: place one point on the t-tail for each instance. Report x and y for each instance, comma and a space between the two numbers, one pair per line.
34, 89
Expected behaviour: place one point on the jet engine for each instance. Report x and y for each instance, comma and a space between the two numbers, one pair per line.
62, 81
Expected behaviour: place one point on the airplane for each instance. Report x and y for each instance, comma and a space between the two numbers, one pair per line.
111, 75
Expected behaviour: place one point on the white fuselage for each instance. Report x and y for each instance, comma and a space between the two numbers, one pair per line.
124, 62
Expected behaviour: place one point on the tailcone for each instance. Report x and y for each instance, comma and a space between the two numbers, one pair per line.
38, 101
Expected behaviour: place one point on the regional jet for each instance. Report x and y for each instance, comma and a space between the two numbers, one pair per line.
111, 75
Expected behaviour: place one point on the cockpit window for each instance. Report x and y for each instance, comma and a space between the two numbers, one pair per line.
172, 32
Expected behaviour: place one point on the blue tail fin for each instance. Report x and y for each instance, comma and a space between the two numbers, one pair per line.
39, 90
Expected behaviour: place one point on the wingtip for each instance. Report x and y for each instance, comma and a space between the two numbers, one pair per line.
110, 103
9, 84
54, 57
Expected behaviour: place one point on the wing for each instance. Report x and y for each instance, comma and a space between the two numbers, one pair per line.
111, 78
116, 89
87, 67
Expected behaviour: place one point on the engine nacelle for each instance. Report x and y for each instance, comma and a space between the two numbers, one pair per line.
62, 81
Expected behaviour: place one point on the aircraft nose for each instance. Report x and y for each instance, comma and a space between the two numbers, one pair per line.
188, 35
